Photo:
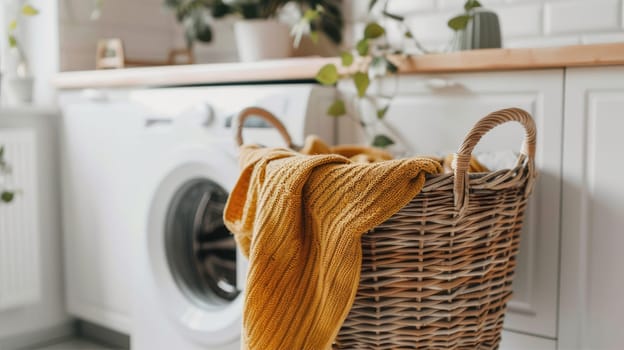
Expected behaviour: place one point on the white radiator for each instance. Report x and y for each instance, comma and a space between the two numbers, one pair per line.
19, 222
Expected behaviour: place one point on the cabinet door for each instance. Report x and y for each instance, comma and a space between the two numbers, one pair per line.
431, 114
518, 341
592, 281
97, 147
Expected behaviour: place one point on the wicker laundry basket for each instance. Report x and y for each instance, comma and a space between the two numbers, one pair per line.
438, 273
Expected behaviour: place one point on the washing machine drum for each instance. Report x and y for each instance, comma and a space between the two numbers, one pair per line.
200, 251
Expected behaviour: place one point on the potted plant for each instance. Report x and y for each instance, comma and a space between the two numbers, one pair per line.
259, 34
476, 28
20, 80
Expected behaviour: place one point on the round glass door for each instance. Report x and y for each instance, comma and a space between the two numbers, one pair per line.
200, 251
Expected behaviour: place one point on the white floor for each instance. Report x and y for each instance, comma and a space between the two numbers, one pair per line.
74, 344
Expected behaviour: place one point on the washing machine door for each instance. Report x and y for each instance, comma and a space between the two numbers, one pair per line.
200, 250
198, 270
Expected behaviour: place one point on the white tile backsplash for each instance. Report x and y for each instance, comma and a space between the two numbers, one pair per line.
455, 5
546, 41
520, 20
431, 27
524, 23
582, 16
458, 5
410, 6
602, 38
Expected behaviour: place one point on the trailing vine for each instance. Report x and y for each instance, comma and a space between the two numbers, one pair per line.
373, 58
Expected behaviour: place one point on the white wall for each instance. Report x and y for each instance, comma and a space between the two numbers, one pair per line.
525, 23
146, 29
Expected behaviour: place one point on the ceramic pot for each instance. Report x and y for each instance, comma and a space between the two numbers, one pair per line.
483, 32
222, 48
262, 39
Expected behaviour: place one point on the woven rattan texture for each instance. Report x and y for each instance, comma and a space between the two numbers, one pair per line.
433, 280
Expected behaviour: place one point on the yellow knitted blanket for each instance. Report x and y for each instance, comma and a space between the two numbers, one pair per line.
299, 219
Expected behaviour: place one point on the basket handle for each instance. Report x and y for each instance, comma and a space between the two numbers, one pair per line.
461, 161
266, 116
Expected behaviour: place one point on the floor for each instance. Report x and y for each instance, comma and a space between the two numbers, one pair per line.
74, 344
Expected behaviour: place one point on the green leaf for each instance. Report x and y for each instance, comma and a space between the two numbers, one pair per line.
362, 47
337, 109
346, 58
470, 4
12, 25
327, 75
459, 22
29, 10
373, 30
12, 41
382, 141
314, 36
220, 10
392, 68
311, 15
361, 83
409, 35
203, 32
7, 196
381, 113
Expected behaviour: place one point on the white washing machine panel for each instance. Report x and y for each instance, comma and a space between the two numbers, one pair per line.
190, 276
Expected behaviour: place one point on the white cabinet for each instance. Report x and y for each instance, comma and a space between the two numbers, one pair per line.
433, 113
97, 149
518, 341
592, 278
31, 275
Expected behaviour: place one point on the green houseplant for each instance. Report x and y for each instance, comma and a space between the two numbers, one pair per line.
373, 59
198, 17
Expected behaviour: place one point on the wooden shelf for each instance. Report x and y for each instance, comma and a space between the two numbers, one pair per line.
306, 68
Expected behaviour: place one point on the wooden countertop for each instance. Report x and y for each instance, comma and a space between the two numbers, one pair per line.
306, 68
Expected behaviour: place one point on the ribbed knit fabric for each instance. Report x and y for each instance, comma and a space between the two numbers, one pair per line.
299, 218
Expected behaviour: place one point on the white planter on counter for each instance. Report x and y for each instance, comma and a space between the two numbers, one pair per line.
262, 39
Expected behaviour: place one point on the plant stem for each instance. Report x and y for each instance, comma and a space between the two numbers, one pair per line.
22, 70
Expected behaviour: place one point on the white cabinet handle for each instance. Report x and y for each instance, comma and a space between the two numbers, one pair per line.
95, 95
440, 83
155, 120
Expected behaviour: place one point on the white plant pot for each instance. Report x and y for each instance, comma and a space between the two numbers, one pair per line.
223, 46
262, 39
19, 90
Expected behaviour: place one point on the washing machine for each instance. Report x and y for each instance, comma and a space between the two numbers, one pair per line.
190, 277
